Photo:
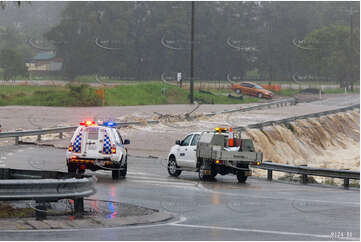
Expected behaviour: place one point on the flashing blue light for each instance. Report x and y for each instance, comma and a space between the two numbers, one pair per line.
110, 124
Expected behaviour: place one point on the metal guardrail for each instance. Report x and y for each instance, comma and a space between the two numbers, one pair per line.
309, 171
61, 130
280, 103
287, 120
45, 186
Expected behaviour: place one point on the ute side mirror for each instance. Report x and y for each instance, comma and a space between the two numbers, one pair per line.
178, 142
126, 141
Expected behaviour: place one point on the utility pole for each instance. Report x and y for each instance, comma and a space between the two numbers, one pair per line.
192, 55
351, 50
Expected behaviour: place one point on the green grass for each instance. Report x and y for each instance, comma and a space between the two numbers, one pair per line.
339, 90
286, 92
123, 95
143, 94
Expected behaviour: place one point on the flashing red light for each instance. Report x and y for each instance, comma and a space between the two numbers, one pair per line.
74, 157
88, 123
114, 150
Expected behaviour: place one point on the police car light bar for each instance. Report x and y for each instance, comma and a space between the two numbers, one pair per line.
110, 124
88, 123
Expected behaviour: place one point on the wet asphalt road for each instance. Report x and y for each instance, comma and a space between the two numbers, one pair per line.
220, 210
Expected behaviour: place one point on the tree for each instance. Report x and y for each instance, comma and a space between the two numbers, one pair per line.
331, 53
13, 64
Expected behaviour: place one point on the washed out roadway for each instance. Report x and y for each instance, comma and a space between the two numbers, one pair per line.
221, 210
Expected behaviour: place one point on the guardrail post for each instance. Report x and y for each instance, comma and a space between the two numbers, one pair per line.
16, 140
39, 138
304, 178
79, 207
269, 175
61, 135
346, 183
40, 210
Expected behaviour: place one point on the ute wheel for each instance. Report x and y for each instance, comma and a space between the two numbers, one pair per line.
203, 177
259, 95
115, 174
173, 168
123, 172
213, 172
241, 176
71, 169
238, 91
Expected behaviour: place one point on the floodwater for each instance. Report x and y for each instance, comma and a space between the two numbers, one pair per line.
331, 141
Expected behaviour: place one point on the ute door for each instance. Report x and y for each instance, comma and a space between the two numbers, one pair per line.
91, 142
191, 154
182, 150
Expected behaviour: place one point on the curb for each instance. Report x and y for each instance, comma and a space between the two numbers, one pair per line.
85, 223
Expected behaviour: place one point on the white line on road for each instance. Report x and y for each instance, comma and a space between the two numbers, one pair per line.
255, 231
173, 184
3, 158
276, 198
162, 179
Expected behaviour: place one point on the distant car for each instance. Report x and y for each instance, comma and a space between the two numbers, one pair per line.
252, 89
97, 147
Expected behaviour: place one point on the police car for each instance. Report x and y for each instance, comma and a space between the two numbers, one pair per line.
97, 147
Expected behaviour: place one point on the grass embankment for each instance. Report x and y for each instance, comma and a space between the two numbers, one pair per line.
291, 92
83, 95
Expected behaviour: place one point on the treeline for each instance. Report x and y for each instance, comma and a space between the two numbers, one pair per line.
247, 40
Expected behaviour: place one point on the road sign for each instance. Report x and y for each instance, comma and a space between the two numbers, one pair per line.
179, 76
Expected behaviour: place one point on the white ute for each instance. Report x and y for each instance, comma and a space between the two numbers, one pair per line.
211, 153
97, 147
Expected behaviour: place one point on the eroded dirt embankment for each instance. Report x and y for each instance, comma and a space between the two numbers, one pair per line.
331, 141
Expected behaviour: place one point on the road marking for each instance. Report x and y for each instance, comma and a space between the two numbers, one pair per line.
173, 184
204, 189
3, 158
138, 173
160, 181
10, 153
256, 231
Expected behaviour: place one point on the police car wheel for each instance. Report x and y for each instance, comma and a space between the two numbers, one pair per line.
115, 174
79, 171
173, 168
124, 171
71, 169
241, 176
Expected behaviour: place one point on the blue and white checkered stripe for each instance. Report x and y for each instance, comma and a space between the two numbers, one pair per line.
77, 143
107, 146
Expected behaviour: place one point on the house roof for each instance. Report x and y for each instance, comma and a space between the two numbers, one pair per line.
44, 55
